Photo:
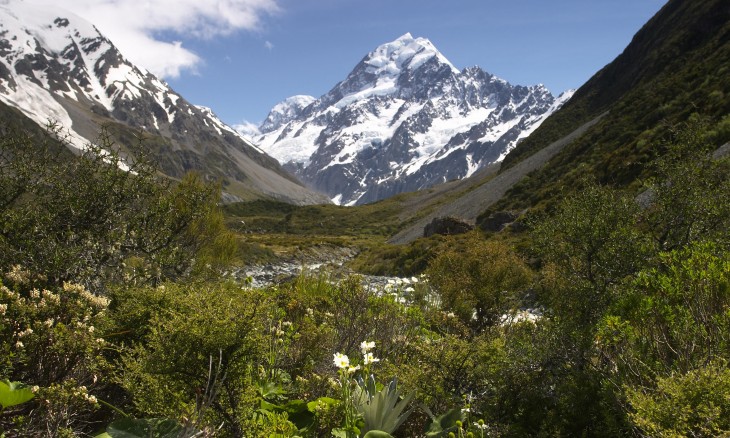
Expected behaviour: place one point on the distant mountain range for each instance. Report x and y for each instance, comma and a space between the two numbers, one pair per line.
56, 66
404, 119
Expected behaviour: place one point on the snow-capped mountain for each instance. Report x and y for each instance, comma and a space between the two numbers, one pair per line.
56, 66
404, 119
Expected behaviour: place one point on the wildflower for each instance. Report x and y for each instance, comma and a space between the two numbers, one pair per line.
366, 346
34, 389
286, 323
351, 370
49, 322
450, 315
410, 289
368, 359
18, 275
480, 425
414, 279
91, 329
310, 311
35, 293
465, 410
25, 332
341, 361
19, 345
3, 309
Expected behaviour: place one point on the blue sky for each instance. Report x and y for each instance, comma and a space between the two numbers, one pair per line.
241, 57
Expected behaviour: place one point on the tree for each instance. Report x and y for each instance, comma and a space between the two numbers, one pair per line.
481, 282
99, 216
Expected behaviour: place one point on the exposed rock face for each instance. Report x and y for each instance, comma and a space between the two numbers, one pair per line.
404, 119
498, 221
56, 66
447, 226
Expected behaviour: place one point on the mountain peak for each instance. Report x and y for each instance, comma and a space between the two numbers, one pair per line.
404, 53
56, 66
403, 119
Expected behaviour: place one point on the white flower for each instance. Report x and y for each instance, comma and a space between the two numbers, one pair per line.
19, 345
414, 279
26, 332
341, 361
351, 370
368, 359
481, 425
3, 309
366, 346
34, 389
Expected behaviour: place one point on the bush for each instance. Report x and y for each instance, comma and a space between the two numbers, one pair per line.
97, 217
481, 282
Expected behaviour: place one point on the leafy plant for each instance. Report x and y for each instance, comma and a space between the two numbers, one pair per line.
146, 428
14, 393
382, 410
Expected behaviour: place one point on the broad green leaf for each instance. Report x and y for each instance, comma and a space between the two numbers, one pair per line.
377, 434
143, 428
14, 393
444, 423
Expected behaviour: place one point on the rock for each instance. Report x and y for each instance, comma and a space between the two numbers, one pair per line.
447, 226
498, 220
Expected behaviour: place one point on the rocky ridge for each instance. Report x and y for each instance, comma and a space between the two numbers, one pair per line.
56, 66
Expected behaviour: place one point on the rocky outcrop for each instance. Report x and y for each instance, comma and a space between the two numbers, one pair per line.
447, 226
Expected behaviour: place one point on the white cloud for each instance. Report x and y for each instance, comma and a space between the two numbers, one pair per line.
269, 45
135, 26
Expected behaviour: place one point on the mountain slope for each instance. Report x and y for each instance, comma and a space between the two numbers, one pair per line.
675, 66
56, 66
404, 119
675, 69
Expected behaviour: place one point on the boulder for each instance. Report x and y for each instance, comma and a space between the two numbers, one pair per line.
447, 226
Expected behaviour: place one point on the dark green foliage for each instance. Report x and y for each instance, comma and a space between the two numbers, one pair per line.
689, 197
588, 244
198, 351
82, 218
480, 282
675, 66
